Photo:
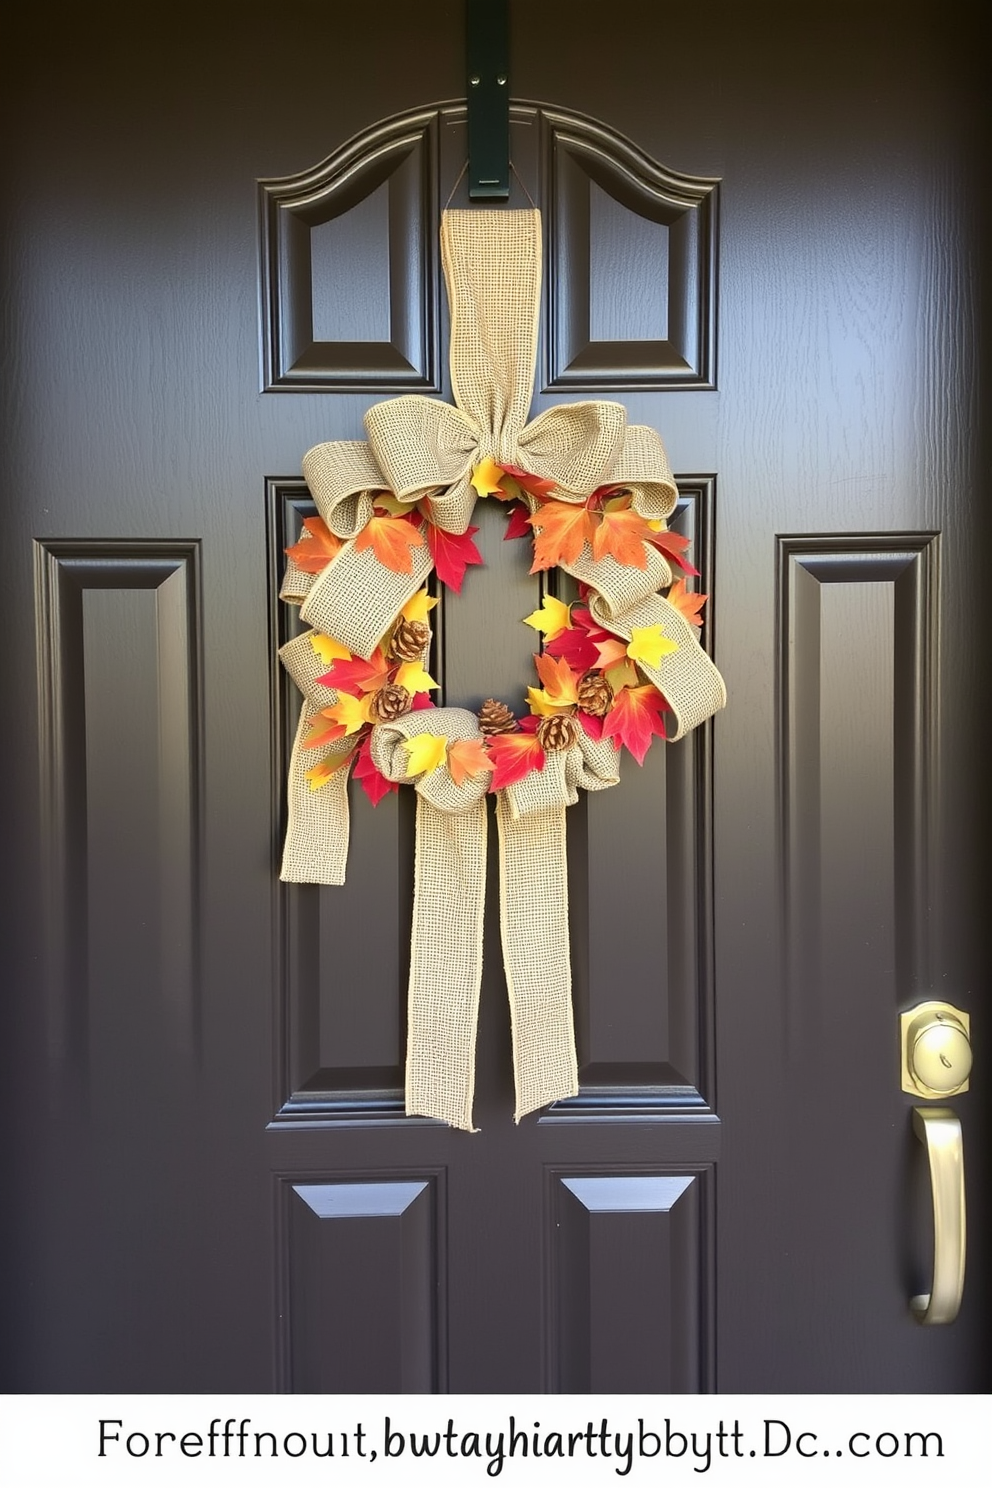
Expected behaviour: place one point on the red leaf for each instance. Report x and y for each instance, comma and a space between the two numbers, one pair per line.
635, 719
519, 523
593, 726
373, 782
534, 485
357, 675
513, 756
452, 554
581, 646
674, 545
421, 700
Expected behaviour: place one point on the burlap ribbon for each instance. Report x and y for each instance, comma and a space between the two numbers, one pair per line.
420, 448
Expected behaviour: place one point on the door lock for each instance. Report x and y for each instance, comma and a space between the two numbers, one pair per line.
936, 1050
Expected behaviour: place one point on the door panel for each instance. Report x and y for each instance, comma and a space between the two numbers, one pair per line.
211, 1180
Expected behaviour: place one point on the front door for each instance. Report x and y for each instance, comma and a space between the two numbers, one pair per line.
221, 252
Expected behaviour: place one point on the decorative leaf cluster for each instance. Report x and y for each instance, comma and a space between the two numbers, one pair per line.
586, 672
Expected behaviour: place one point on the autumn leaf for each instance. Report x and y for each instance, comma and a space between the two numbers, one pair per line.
673, 545
558, 678
647, 644
419, 607
354, 674
391, 539
592, 725
562, 531
390, 505
486, 477
421, 700
426, 752
687, 604
586, 644
370, 777
351, 712
610, 651
518, 525
452, 554
635, 719
319, 775
513, 756
328, 649
323, 730
314, 552
467, 757
551, 619
623, 675
621, 534
412, 676
521, 480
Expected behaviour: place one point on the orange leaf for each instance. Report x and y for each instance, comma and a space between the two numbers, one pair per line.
559, 680
512, 756
323, 730
562, 531
622, 533
314, 552
635, 718
391, 539
687, 604
467, 757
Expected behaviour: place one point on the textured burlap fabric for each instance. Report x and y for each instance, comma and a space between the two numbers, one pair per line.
421, 448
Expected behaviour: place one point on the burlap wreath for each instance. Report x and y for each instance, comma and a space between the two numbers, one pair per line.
424, 453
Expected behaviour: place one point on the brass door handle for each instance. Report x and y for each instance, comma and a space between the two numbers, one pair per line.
940, 1132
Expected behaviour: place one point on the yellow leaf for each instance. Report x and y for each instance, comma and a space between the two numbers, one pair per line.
625, 675
647, 644
486, 477
426, 752
320, 774
552, 619
351, 712
412, 676
328, 649
542, 703
384, 501
419, 607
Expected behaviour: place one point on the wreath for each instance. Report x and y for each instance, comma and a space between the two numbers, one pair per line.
594, 494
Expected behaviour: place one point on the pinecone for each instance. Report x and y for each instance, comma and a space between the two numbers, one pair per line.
409, 639
559, 731
390, 702
595, 694
496, 718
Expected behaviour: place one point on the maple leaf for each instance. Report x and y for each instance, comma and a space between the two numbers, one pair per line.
391, 539
621, 533
587, 644
687, 604
610, 651
593, 726
486, 477
519, 480
635, 719
518, 525
623, 675
421, 700
355, 675
551, 619
328, 649
419, 607
370, 777
384, 501
513, 756
351, 712
558, 678
412, 676
647, 644
673, 545
313, 553
319, 775
562, 531
452, 554
467, 757
323, 730
426, 752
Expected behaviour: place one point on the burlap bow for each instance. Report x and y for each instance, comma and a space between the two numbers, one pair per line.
419, 448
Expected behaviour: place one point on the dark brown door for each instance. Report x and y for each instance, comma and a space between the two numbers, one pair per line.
762, 239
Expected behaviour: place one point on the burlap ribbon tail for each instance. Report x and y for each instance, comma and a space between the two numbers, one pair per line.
421, 448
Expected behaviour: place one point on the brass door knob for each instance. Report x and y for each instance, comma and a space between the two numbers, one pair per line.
936, 1050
